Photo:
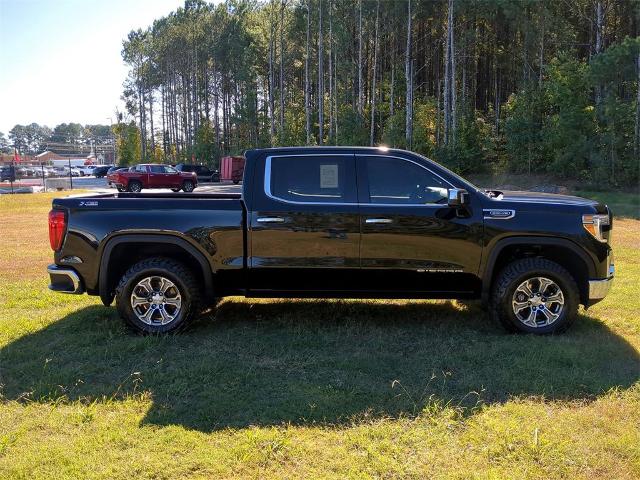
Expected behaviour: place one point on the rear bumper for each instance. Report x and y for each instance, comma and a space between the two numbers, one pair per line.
64, 280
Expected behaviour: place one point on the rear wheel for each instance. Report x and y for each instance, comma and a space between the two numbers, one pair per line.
158, 295
134, 186
535, 295
187, 186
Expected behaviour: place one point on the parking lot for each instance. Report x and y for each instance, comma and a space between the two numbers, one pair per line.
101, 185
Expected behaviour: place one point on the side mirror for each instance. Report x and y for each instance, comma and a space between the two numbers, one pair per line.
457, 197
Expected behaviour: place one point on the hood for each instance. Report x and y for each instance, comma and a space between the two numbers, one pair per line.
539, 197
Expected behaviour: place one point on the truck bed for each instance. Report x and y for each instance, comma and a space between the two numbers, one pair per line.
168, 195
213, 224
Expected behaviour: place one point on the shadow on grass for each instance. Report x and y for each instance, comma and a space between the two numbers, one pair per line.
310, 362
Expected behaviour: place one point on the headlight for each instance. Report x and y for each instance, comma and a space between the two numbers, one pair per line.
595, 223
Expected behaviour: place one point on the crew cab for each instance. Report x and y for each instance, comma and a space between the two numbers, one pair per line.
152, 175
336, 222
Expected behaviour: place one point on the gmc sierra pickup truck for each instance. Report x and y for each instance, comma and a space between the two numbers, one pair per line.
335, 222
152, 175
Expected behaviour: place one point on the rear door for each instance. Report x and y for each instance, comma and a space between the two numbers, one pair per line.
304, 225
412, 241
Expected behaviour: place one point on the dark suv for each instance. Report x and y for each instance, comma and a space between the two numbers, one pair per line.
203, 172
8, 173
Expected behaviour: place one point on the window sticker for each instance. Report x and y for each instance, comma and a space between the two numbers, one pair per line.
329, 176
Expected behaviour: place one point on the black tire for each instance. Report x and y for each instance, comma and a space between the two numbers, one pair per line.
187, 186
134, 186
177, 273
519, 271
121, 189
236, 182
176, 190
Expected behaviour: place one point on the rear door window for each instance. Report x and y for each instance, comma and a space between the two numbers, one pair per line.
312, 179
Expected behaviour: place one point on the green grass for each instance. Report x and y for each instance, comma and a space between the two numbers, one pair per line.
623, 204
307, 388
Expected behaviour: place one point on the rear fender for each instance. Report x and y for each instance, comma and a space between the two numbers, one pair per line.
105, 284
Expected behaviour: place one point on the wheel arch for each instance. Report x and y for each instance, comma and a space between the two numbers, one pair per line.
562, 251
122, 251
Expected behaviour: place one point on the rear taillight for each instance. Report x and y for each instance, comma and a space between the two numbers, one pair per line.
57, 228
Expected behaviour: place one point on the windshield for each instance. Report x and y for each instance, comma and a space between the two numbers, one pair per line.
453, 174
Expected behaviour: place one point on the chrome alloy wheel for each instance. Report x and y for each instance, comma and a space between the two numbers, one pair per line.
156, 300
538, 302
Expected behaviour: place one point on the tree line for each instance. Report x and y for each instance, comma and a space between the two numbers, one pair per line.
481, 85
35, 138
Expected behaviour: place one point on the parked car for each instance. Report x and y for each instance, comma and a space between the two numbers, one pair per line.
203, 172
153, 176
24, 172
7, 173
86, 170
101, 171
304, 227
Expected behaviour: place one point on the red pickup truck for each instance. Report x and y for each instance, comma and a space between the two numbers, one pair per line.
153, 175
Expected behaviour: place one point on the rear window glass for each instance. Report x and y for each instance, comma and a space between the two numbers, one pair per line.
313, 179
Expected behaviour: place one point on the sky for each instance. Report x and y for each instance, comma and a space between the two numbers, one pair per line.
60, 60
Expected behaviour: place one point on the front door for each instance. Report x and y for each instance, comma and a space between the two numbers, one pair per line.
157, 177
412, 242
304, 227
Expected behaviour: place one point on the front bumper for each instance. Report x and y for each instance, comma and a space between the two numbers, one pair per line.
599, 288
64, 280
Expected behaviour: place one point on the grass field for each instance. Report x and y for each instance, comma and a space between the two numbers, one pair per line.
308, 389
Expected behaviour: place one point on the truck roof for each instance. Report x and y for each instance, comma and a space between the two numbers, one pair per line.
327, 148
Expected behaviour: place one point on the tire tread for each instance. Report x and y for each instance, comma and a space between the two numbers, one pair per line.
161, 263
518, 268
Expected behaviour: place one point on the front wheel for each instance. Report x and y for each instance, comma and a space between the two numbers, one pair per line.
535, 295
188, 186
158, 295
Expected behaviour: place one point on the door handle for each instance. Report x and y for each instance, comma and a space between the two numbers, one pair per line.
378, 220
270, 220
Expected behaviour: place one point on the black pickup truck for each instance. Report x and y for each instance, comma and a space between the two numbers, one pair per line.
335, 222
